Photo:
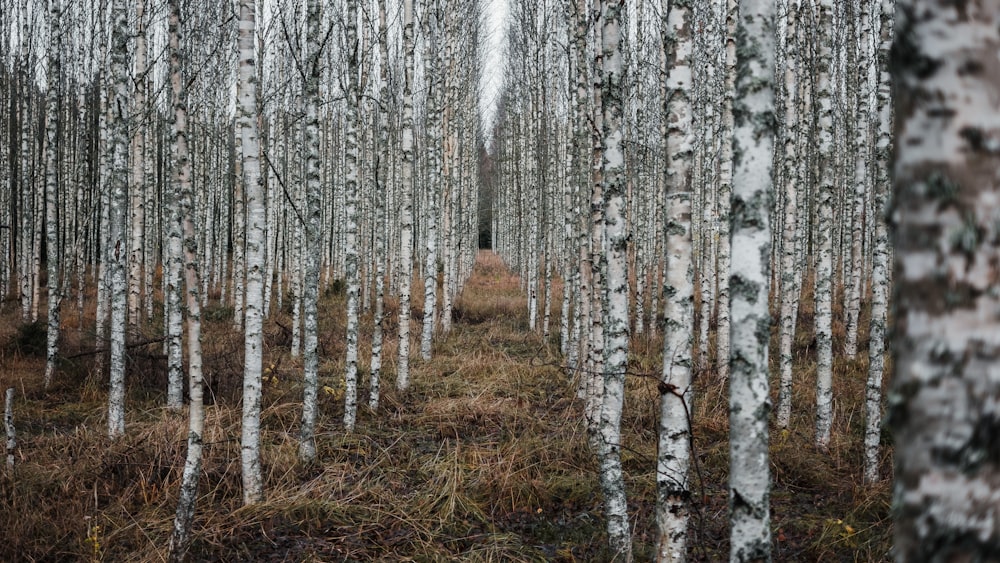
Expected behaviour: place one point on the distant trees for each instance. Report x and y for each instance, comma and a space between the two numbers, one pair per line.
814, 224
349, 160
292, 188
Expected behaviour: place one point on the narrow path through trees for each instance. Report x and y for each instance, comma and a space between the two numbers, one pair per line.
486, 457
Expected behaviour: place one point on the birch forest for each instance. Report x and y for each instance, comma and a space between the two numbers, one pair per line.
500, 280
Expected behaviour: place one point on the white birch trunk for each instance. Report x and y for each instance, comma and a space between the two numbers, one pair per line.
239, 232
594, 366
310, 359
351, 185
101, 252
824, 232
880, 262
246, 93
862, 163
8, 422
382, 216
118, 141
724, 257
616, 256
789, 295
137, 198
434, 179
749, 401
172, 272
942, 407
406, 204
674, 442
570, 269
180, 538
53, 259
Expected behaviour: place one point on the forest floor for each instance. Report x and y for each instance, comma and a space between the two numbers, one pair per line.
484, 459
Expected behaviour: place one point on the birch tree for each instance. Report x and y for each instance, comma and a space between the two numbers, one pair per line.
616, 257
138, 173
824, 231
942, 407
181, 537
749, 401
862, 165
674, 444
406, 204
880, 261
311, 99
789, 240
381, 189
351, 187
726, 179
118, 126
52, 151
434, 176
246, 94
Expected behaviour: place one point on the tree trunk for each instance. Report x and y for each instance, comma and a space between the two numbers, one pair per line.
434, 180
382, 217
351, 185
880, 262
137, 198
824, 231
789, 240
53, 250
674, 443
945, 204
862, 164
180, 539
118, 140
616, 332
749, 401
406, 204
310, 358
246, 93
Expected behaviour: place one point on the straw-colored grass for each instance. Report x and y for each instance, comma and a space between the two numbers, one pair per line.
485, 459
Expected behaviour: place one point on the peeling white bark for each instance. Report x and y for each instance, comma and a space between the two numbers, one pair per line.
180, 539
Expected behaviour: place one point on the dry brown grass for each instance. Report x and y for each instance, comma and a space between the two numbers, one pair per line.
485, 459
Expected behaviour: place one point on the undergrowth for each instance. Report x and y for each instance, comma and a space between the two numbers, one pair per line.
485, 459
